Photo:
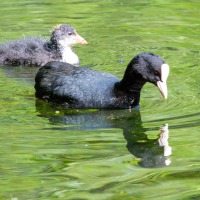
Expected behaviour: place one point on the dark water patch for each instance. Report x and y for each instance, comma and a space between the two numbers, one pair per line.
177, 117
170, 48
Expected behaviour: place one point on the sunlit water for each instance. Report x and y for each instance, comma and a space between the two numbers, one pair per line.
51, 153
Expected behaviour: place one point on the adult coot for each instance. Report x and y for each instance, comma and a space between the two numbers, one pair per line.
75, 87
38, 51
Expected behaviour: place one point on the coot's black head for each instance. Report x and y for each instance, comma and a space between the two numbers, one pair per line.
66, 35
149, 67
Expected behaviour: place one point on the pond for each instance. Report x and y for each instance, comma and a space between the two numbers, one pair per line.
152, 153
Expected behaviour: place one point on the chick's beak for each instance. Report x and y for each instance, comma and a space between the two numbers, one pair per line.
162, 85
79, 39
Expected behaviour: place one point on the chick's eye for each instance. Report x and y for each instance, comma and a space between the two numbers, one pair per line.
71, 33
156, 72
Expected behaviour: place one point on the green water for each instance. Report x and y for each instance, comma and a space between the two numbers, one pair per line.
86, 155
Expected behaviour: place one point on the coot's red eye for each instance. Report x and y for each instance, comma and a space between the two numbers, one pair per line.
156, 72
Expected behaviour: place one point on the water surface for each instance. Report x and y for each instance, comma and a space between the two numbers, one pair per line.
51, 153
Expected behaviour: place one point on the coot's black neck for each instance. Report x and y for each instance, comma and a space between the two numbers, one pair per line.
131, 86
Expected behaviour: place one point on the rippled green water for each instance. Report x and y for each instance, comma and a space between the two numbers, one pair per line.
74, 154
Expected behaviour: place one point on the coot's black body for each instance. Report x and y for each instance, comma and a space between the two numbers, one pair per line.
76, 87
37, 51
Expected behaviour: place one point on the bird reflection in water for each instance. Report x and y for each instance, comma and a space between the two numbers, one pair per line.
150, 153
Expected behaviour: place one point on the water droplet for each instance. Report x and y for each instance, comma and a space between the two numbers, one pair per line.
121, 61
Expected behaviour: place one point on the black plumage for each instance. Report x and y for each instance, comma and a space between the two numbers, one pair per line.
75, 87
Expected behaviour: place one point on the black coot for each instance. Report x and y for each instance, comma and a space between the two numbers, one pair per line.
38, 51
78, 87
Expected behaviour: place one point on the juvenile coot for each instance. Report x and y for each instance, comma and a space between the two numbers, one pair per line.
38, 51
75, 87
